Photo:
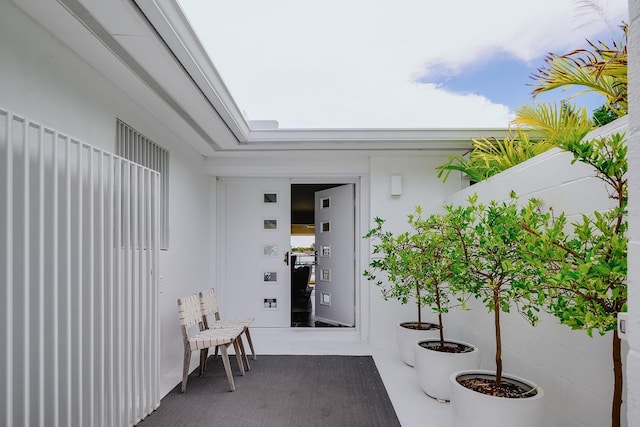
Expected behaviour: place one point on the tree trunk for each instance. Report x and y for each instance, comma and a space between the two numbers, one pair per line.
438, 303
496, 319
419, 307
616, 404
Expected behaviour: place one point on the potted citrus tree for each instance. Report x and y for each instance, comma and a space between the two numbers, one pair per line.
493, 267
586, 285
437, 358
410, 267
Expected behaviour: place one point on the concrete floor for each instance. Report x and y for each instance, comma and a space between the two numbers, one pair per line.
413, 407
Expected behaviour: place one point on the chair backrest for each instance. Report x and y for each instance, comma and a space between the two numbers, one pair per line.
300, 279
209, 304
189, 311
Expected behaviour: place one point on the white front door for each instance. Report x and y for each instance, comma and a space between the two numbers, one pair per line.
335, 270
256, 236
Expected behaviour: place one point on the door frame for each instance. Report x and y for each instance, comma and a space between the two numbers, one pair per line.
356, 181
362, 202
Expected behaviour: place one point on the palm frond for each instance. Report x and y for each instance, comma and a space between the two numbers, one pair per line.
564, 72
600, 68
499, 155
558, 124
490, 156
460, 163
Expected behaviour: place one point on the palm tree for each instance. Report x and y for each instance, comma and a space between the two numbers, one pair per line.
559, 124
490, 156
600, 68
538, 128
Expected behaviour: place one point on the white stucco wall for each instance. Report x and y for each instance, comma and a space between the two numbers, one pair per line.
44, 81
372, 171
575, 371
633, 358
420, 186
300, 167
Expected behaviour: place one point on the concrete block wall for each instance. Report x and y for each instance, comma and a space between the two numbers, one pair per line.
575, 371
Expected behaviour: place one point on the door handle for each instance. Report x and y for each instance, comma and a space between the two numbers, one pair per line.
286, 258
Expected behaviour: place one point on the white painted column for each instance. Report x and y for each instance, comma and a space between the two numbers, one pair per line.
633, 358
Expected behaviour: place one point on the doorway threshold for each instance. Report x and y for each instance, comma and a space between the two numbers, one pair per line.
338, 341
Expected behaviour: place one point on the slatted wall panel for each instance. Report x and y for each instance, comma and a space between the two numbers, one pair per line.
78, 295
134, 146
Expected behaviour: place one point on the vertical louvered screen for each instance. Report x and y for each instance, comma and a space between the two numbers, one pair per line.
134, 146
78, 284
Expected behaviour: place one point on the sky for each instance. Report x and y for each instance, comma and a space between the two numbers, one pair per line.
394, 63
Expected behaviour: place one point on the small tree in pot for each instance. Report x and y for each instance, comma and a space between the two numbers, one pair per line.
416, 268
492, 262
586, 285
493, 268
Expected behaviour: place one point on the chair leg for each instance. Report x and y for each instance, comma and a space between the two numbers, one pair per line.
236, 347
248, 335
243, 352
227, 366
203, 360
185, 368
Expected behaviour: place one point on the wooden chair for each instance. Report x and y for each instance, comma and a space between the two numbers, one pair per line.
220, 339
209, 307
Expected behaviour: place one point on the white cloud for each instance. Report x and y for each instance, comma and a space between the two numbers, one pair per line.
353, 63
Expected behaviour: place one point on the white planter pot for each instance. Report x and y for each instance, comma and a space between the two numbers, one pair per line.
408, 337
471, 408
434, 368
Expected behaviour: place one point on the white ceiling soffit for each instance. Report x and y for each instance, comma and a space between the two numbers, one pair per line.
116, 38
127, 33
373, 139
173, 27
